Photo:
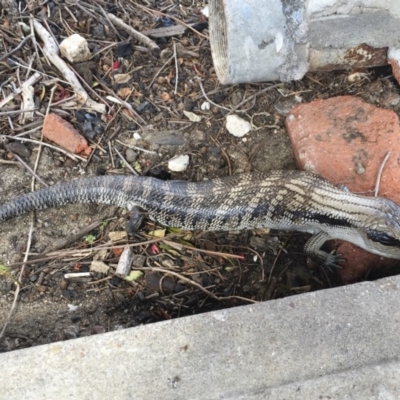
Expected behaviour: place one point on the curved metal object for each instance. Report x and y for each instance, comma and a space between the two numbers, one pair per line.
253, 40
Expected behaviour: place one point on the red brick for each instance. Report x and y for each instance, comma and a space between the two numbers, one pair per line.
337, 137
64, 134
395, 68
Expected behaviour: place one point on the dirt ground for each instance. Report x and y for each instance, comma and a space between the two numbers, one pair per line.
210, 270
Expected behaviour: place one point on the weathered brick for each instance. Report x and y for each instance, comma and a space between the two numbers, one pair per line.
64, 134
345, 140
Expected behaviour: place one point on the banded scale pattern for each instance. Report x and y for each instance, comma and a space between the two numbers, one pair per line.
289, 200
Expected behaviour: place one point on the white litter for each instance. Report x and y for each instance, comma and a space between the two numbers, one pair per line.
237, 126
192, 116
205, 106
178, 163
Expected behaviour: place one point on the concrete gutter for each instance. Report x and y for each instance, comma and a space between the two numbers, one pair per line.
342, 343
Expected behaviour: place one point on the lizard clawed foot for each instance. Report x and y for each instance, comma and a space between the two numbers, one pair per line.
327, 260
332, 259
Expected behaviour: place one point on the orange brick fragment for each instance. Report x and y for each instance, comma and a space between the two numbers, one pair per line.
61, 132
395, 68
345, 140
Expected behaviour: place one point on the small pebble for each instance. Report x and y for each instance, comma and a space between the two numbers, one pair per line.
246, 288
131, 155
143, 107
69, 163
98, 31
219, 97
189, 104
132, 126
41, 288
98, 329
178, 288
192, 116
236, 98
360, 169
178, 163
66, 294
20, 149
71, 332
115, 281
119, 297
79, 115
215, 150
205, 106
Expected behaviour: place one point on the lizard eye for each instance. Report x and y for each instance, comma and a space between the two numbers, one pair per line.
383, 238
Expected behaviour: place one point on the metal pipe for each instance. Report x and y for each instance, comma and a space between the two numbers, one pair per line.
264, 40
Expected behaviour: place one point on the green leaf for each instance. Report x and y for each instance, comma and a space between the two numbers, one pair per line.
133, 276
104, 225
158, 233
4, 270
136, 165
175, 230
169, 249
90, 239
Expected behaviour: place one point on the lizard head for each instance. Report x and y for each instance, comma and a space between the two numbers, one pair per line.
382, 233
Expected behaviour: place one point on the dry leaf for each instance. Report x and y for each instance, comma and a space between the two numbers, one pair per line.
124, 92
165, 96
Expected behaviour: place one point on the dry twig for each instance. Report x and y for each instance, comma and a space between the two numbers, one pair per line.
27, 167
18, 288
137, 35
22, 139
50, 49
29, 82
378, 179
15, 49
177, 20
134, 172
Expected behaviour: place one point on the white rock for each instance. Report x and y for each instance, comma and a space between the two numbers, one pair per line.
206, 11
124, 263
298, 98
122, 78
205, 106
192, 116
237, 126
136, 135
75, 48
178, 163
116, 236
394, 54
99, 266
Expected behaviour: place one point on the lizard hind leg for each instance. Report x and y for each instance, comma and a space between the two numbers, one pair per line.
313, 250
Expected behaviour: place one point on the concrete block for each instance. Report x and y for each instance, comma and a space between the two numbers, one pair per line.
342, 343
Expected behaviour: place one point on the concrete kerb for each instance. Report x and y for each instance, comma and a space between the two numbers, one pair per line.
341, 342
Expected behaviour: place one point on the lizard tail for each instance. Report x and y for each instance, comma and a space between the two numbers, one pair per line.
114, 190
